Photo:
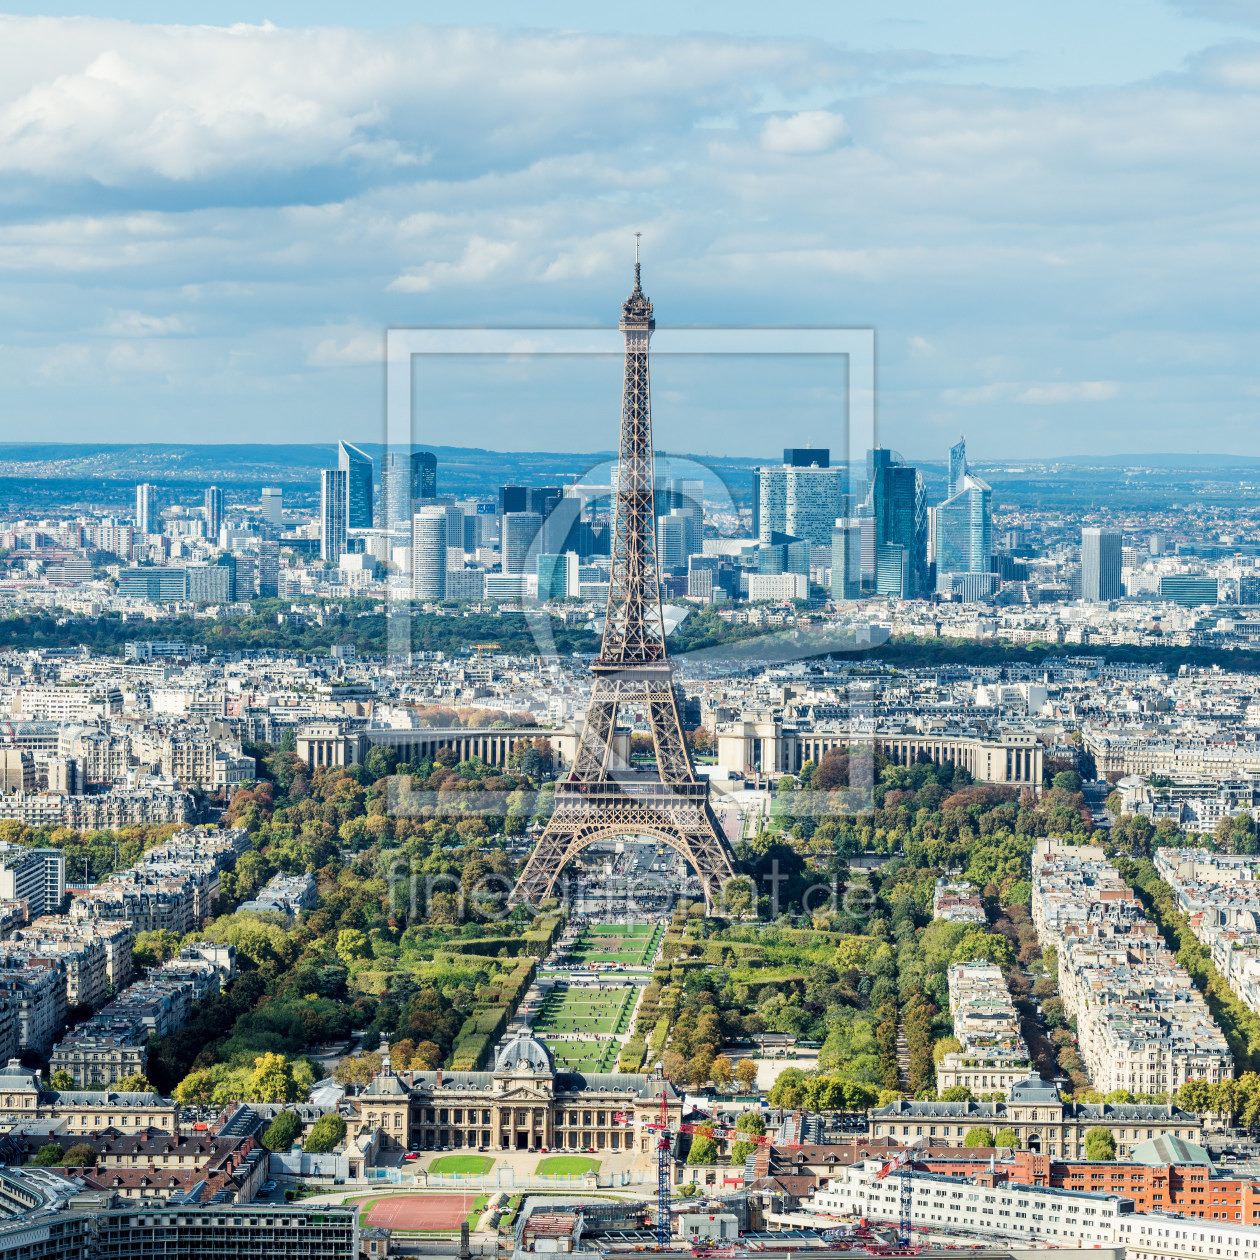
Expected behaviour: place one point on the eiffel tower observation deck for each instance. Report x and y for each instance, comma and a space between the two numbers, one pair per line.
600, 799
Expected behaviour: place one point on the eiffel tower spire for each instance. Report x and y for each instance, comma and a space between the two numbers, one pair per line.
603, 796
633, 629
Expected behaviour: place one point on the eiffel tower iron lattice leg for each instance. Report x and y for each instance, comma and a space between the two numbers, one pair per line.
601, 798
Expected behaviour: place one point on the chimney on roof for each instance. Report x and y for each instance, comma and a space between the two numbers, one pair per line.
439, 1076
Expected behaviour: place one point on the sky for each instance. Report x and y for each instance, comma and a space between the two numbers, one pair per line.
1048, 215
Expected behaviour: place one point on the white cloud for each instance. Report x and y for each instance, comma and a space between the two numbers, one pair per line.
480, 260
291, 193
137, 324
812, 131
349, 348
1018, 392
1069, 391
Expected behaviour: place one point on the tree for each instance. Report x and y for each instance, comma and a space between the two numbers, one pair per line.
752, 1124
1100, 1144
1194, 1096
1068, 780
61, 1079
721, 1072
327, 1133
673, 1065
352, 944
151, 949
137, 1083
746, 1074
48, 1156
428, 1057
788, 1090
698, 1070
81, 1155
958, 1093
1007, 1137
272, 1079
283, 1131
358, 1069
703, 1147
978, 1137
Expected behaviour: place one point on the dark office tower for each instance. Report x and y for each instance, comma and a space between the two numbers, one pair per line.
404, 479
358, 469
543, 499
423, 475
899, 499
807, 456
957, 468
214, 513
332, 514
513, 499
1100, 565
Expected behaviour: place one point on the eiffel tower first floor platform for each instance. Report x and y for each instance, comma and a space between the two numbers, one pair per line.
676, 814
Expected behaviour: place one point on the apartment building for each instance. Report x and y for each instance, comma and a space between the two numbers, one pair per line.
957, 902
82, 955
993, 1055
99, 1061
146, 903
23, 878
983, 1203
35, 989
1141, 1023
1036, 1113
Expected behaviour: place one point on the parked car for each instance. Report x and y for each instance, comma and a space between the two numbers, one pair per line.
269, 1187
410, 1155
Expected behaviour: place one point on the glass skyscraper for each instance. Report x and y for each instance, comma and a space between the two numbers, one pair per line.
404, 479
358, 469
803, 500
332, 514
1100, 565
899, 500
957, 467
846, 559
964, 528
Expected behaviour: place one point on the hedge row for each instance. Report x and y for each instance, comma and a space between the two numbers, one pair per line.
631, 1057
471, 1054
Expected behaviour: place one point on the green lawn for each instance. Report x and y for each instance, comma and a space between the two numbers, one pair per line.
584, 1056
462, 1164
558, 1165
583, 1011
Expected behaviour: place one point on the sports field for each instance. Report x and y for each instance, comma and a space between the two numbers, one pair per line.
632, 946
464, 1165
427, 1212
585, 1056
581, 1010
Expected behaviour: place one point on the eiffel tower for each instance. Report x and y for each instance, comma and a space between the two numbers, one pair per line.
599, 799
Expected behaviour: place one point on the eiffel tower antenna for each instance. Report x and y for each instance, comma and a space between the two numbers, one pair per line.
603, 796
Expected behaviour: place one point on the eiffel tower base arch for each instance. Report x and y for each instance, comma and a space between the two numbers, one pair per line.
678, 815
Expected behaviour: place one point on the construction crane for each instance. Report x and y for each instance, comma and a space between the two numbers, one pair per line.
900, 1164
665, 1131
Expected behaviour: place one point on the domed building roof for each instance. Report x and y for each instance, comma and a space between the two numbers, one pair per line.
524, 1053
